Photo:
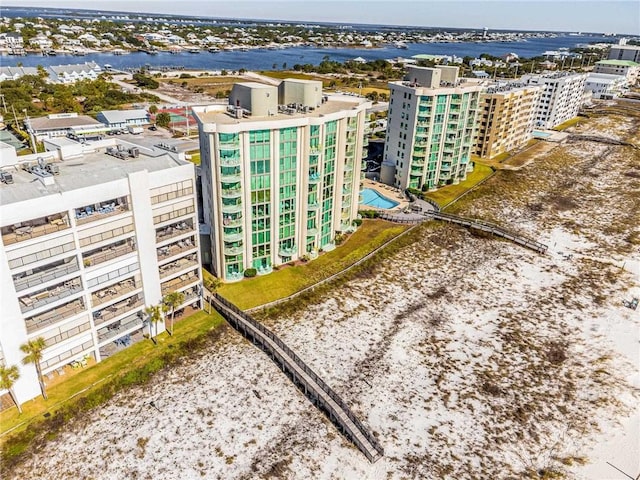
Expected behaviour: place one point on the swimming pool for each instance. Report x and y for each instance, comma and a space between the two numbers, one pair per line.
539, 134
374, 199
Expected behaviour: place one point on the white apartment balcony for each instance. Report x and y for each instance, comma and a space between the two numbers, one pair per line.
98, 211
35, 228
55, 315
230, 177
44, 274
174, 230
314, 177
115, 291
231, 192
232, 221
233, 161
121, 327
180, 282
108, 252
173, 249
49, 295
118, 309
179, 265
232, 236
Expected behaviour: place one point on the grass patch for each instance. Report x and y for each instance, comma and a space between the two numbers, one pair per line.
194, 157
567, 124
97, 384
448, 194
257, 291
289, 74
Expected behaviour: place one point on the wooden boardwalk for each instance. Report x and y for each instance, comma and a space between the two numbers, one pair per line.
305, 378
490, 228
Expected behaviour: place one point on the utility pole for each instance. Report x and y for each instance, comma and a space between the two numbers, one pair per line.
27, 124
4, 105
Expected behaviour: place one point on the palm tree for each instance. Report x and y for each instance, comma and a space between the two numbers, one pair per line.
172, 301
155, 316
212, 284
9, 376
33, 354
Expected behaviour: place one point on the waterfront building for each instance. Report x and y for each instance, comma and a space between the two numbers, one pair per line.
561, 97
62, 124
14, 73
281, 170
506, 116
431, 128
625, 52
627, 68
605, 86
91, 235
121, 119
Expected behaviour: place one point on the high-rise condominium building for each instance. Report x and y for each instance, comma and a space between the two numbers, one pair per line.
430, 129
91, 235
625, 52
561, 97
280, 173
506, 118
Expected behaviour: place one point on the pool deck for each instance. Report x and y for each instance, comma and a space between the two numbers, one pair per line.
387, 191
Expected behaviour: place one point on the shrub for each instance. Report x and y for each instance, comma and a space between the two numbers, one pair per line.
186, 75
250, 272
357, 222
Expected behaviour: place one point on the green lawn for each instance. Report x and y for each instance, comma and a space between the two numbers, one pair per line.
257, 291
447, 194
136, 357
567, 124
194, 156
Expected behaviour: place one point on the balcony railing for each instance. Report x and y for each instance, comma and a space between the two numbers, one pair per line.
287, 251
55, 315
231, 192
228, 221
312, 232
232, 236
33, 229
314, 177
114, 291
50, 295
178, 265
233, 249
108, 253
43, 276
313, 206
117, 309
176, 248
230, 161
174, 230
178, 283
233, 208
119, 327
92, 214
230, 177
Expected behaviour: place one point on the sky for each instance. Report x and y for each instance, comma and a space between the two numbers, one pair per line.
603, 16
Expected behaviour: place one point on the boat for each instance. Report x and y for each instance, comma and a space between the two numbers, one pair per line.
194, 50
401, 45
213, 50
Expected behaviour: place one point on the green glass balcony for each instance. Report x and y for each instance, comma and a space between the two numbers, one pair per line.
233, 208
312, 232
232, 236
232, 221
233, 249
230, 161
285, 251
231, 192
313, 206
230, 177
314, 177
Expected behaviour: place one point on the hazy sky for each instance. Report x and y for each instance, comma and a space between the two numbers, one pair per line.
605, 16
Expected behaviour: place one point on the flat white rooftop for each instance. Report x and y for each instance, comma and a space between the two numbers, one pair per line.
89, 169
334, 104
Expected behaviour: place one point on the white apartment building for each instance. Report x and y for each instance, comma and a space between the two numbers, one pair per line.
561, 97
431, 128
625, 52
627, 68
91, 235
606, 87
281, 170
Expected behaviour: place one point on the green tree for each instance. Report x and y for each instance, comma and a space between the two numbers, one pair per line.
8, 377
33, 354
155, 316
172, 301
212, 284
153, 109
163, 119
